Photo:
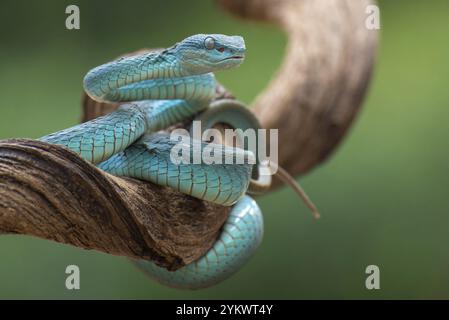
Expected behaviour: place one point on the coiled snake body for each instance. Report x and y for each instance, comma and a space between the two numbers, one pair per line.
164, 88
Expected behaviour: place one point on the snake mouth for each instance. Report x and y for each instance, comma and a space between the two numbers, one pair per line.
233, 58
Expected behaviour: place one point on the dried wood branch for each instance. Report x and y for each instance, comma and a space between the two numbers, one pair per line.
51, 193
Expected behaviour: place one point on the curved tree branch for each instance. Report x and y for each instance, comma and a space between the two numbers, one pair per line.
324, 77
49, 192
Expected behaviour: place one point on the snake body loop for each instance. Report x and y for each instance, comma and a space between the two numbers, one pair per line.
164, 88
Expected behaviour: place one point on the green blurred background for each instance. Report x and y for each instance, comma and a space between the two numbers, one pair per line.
383, 195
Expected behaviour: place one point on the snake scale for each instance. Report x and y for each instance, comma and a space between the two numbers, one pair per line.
161, 89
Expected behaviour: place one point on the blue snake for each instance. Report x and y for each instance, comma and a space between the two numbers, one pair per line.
161, 89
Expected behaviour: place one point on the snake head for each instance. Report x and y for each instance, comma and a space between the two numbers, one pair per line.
203, 53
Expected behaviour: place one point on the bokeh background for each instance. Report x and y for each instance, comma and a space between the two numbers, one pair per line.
384, 194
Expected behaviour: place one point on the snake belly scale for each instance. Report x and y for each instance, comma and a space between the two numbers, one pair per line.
162, 89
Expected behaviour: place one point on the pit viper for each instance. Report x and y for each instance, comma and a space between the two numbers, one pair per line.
157, 90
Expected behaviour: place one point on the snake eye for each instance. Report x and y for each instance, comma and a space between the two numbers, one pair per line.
209, 43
